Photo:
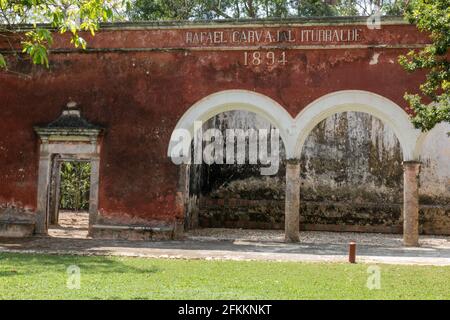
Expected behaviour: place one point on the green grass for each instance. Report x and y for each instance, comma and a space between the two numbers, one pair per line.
24, 276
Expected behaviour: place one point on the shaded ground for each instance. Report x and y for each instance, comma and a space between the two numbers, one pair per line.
229, 244
316, 237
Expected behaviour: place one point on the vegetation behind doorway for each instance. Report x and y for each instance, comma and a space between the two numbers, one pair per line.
75, 185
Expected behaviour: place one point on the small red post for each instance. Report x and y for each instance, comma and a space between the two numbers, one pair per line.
352, 252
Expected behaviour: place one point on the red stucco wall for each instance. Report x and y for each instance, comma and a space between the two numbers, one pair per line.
147, 79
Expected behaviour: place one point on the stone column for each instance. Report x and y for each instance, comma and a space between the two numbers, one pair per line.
411, 203
42, 192
292, 207
93, 191
54, 194
181, 196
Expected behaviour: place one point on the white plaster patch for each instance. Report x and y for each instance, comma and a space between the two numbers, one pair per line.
435, 156
374, 59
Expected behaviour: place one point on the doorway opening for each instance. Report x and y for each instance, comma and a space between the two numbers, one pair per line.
236, 195
69, 160
69, 198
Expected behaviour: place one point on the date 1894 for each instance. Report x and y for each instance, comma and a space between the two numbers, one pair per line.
269, 58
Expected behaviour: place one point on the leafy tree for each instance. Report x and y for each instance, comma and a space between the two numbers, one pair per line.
75, 185
169, 9
235, 9
71, 16
314, 8
370, 7
227, 9
395, 8
433, 104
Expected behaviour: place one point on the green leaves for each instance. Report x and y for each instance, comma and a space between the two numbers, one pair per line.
432, 17
75, 185
72, 16
235, 9
232, 9
428, 115
36, 45
2, 62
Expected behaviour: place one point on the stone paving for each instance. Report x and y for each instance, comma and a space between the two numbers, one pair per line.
71, 225
244, 245
316, 237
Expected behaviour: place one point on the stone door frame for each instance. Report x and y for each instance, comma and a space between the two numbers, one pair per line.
69, 150
54, 196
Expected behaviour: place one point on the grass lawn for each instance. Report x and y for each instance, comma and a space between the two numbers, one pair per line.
24, 276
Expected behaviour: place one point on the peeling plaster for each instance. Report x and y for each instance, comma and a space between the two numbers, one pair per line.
374, 59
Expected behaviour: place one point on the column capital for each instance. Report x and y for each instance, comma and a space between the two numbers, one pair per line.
412, 162
292, 161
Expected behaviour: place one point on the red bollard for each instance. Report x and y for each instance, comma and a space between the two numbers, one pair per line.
352, 252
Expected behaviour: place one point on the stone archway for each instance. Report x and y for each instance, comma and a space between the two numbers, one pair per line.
294, 132
220, 102
245, 100
382, 108
360, 101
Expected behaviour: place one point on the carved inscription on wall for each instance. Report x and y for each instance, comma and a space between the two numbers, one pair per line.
254, 41
264, 37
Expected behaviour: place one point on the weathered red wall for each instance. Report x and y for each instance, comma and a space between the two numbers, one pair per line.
139, 95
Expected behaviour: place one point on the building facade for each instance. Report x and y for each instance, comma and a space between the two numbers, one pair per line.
137, 84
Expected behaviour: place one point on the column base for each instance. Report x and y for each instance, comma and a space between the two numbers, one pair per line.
411, 245
292, 238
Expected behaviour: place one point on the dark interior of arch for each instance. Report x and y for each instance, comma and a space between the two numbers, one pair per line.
351, 180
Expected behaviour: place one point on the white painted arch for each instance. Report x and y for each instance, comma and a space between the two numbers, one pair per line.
360, 101
295, 131
229, 100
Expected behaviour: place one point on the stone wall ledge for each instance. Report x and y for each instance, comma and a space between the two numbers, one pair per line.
16, 229
333, 216
111, 232
237, 202
137, 228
